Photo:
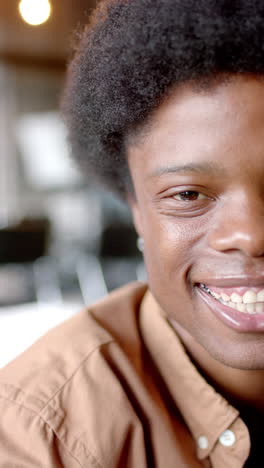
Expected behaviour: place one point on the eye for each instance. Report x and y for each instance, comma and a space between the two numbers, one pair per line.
189, 195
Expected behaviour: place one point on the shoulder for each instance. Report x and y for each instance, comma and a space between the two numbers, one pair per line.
62, 380
66, 348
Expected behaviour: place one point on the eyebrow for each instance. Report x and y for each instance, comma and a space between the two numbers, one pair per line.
200, 168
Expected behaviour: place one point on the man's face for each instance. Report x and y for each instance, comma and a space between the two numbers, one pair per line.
198, 175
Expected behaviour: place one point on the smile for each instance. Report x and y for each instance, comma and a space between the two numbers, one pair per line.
241, 308
250, 302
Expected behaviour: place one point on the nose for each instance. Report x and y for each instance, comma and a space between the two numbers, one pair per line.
239, 226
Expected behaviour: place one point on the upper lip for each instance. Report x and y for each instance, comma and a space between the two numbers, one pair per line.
234, 281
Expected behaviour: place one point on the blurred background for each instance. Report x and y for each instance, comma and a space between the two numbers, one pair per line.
64, 242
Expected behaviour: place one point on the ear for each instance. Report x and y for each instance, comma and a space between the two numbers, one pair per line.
136, 214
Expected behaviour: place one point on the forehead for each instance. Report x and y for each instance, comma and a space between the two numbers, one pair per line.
225, 117
187, 106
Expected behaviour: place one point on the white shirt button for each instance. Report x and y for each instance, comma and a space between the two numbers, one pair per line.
203, 442
227, 438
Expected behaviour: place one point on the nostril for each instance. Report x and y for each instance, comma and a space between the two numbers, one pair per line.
249, 241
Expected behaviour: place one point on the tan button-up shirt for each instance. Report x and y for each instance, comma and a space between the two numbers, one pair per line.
113, 388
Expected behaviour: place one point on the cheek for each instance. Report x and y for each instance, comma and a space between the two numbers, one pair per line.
169, 248
173, 248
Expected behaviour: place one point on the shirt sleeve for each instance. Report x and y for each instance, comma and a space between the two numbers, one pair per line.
27, 441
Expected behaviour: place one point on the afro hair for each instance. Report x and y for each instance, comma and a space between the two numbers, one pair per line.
133, 52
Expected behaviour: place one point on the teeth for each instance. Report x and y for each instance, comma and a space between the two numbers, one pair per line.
260, 296
236, 298
249, 297
241, 307
225, 297
257, 308
216, 295
250, 308
260, 307
250, 303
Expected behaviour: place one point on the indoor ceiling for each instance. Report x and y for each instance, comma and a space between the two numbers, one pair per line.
49, 43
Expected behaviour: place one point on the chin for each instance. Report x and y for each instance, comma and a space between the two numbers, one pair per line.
248, 356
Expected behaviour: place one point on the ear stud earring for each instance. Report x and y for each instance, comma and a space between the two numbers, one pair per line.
140, 244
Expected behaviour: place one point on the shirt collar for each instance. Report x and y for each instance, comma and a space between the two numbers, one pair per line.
206, 412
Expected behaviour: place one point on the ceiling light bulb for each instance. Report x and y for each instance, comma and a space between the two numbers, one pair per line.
35, 12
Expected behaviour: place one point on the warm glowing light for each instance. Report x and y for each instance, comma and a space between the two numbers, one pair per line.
35, 12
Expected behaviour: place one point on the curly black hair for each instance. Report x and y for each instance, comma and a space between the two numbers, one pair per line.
133, 52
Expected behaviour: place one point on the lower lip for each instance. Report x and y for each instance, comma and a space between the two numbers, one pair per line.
231, 317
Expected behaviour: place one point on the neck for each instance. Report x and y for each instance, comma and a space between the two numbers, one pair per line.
244, 389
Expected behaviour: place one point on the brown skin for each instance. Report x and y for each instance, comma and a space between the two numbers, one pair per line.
219, 234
